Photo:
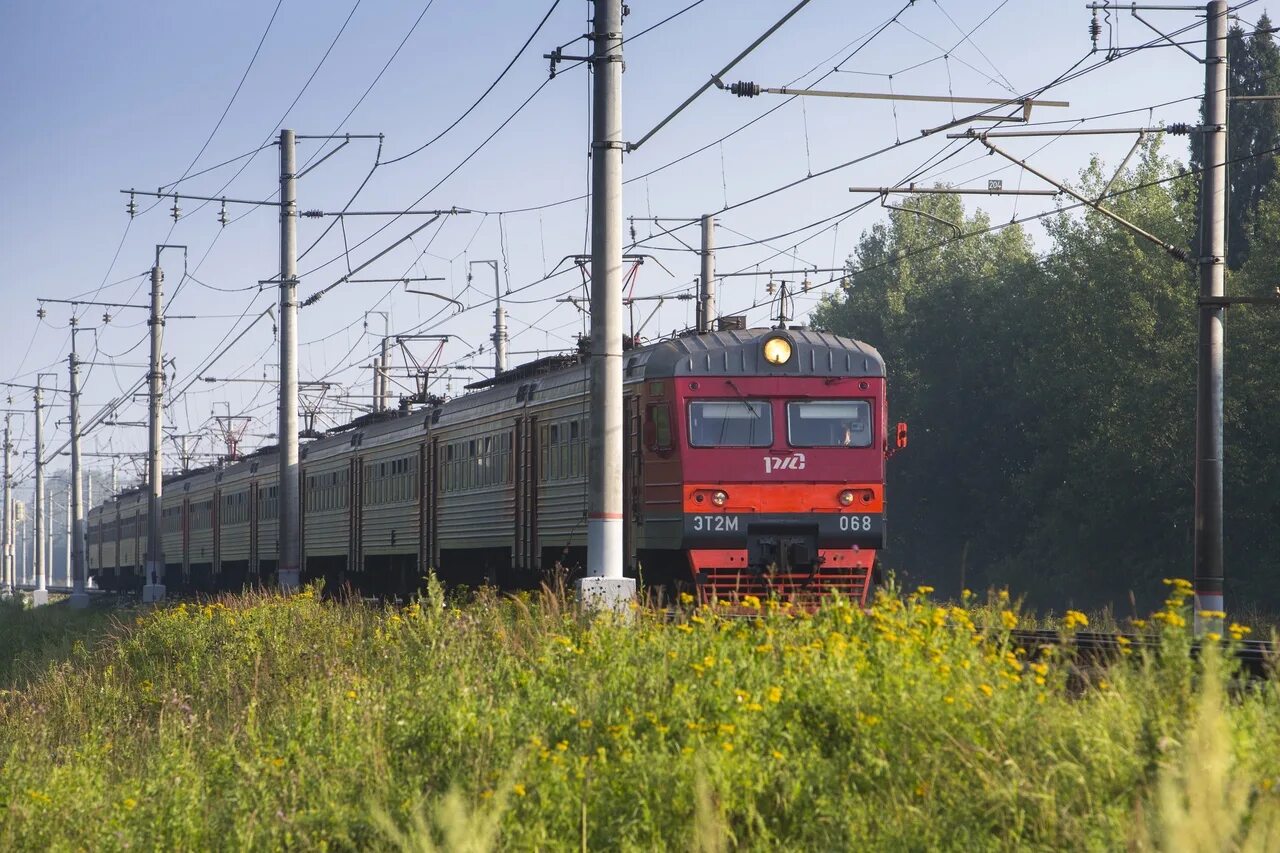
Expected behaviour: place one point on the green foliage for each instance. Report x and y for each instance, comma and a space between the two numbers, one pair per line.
33, 639
268, 723
1253, 133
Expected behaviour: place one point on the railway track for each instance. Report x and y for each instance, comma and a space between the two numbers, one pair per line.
1257, 658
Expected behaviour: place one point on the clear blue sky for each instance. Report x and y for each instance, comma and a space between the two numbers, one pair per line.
104, 96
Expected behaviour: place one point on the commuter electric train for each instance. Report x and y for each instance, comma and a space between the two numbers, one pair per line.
754, 464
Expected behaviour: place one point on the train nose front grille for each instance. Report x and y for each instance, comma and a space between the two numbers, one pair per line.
732, 584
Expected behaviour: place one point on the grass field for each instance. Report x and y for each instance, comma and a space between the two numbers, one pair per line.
269, 723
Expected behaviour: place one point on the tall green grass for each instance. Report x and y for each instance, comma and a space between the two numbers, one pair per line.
272, 723
32, 639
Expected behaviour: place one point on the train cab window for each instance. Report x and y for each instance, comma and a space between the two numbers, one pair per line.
829, 423
730, 423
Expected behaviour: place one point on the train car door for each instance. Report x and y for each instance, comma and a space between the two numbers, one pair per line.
253, 526
355, 493
215, 570
632, 480
526, 557
302, 522
186, 538
428, 551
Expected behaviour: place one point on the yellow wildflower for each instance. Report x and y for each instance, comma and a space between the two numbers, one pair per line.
1238, 631
986, 689
1075, 619
924, 590
519, 789
1009, 619
775, 694
686, 598
130, 803
351, 694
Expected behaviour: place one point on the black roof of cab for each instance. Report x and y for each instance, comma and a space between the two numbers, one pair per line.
741, 353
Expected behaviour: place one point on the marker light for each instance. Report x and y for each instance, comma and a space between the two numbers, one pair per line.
846, 497
720, 498
777, 350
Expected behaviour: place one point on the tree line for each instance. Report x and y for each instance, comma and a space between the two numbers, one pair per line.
1051, 390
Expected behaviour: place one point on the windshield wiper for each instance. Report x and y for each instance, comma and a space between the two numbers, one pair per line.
743, 397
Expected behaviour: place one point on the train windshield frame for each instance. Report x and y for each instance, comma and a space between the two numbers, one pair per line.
829, 423
730, 422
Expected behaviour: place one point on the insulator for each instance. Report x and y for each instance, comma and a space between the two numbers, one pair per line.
106, 318
1095, 29
769, 288
804, 285
222, 215
132, 206
175, 211
743, 89
1179, 128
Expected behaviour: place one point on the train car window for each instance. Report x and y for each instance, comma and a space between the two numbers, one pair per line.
829, 423
544, 472
730, 423
658, 427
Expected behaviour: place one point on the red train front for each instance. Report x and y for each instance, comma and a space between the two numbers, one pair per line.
763, 461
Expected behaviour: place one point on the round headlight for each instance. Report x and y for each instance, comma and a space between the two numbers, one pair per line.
720, 498
846, 497
777, 350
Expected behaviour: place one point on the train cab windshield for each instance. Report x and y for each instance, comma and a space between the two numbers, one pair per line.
731, 423
829, 423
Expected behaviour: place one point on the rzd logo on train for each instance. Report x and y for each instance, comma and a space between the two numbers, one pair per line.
793, 462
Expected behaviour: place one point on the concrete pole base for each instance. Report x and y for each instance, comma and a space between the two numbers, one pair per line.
79, 600
152, 592
39, 597
606, 593
289, 580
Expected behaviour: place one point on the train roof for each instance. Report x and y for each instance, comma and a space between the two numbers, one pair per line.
741, 353
732, 353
